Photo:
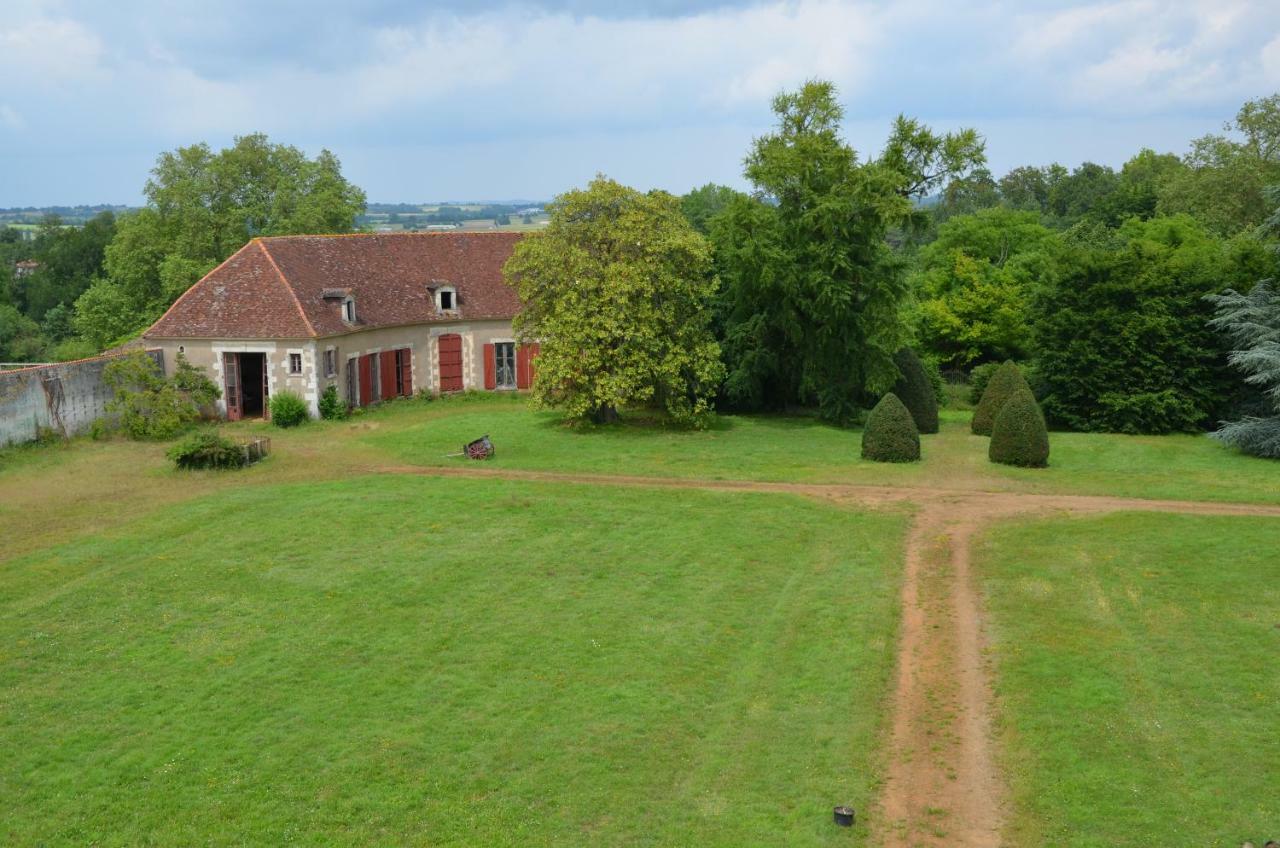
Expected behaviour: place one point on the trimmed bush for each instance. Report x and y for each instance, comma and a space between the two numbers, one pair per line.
978, 379
890, 434
916, 391
331, 406
206, 449
1019, 436
1003, 383
288, 409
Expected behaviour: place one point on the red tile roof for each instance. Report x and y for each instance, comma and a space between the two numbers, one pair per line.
286, 287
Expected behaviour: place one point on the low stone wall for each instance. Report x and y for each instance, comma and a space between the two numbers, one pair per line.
65, 397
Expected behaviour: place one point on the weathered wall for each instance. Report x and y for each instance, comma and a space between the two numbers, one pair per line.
420, 338
66, 397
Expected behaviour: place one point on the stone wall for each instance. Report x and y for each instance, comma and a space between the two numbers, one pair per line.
65, 397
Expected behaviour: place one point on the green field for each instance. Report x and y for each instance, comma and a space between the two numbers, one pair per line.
1139, 661
399, 660
322, 649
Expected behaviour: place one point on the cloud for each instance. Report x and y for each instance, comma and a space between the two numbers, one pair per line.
48, 51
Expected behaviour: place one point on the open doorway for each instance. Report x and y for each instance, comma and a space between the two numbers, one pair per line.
253, 387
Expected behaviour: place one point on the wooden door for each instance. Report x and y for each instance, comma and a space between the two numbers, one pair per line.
405, 358
366, 379
266, 395
450, 362
389, 374
231, 374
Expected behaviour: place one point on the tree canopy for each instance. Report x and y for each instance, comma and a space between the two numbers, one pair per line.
813, 294
201, 207
618, 290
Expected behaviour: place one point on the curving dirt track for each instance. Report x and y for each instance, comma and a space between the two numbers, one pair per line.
943, 785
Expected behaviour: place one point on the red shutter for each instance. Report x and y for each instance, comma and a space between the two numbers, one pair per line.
450, 347
406, 370
534, 350
387, 374
522, 367
231, 373
366, 379
490, 368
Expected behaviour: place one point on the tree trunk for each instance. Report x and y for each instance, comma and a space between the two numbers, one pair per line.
605, 415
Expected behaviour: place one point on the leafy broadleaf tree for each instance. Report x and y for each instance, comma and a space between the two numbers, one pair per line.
813, 294
201, 207
1252, 323
617, 289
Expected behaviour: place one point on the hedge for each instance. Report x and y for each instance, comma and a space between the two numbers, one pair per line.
916, 391
1007, 379
1019, 436
890, 434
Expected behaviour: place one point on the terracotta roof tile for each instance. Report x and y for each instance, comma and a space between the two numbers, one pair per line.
284, 286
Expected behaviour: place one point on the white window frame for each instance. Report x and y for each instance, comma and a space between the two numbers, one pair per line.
453, 297
349, 310
289, 363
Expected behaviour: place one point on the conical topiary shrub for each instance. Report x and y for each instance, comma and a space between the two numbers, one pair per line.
890, 434
1019, 436
1007, 379
915, 391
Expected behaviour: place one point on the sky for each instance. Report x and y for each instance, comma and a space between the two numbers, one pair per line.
490, 101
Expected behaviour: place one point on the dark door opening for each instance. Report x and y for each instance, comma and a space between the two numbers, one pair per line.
253, 389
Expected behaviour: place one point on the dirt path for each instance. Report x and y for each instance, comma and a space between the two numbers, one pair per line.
943, 785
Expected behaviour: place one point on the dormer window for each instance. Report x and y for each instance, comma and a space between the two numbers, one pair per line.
446, 299
349, 310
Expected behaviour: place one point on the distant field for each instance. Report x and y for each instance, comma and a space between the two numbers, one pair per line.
1139, 680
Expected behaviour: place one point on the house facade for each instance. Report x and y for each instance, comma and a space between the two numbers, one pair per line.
377, 315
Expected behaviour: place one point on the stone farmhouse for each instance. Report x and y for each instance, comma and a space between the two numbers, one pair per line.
378, 316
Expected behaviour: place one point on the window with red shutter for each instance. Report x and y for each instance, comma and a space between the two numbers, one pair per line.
490, 368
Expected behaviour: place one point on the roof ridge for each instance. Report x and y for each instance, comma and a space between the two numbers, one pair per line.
397, 233
193, 287
289, 288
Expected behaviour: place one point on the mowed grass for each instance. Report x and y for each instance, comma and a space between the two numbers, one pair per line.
805, 450
1138, 661
403, 660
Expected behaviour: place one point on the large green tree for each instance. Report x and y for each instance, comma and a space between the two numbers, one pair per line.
70, 258
618, 289
974, 284
813, 294
201, 207
1121, 331
1224, 181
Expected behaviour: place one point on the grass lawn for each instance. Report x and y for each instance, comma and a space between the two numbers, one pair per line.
797, 449
403, 660
1139, 678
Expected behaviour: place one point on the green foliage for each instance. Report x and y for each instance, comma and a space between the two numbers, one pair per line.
331, 406
150, 406
915, 390
1123, 342
974, 285
1252, 324
20, 338
617, 289
202, 206
206, 449
703, 204
70, 258
890, 434
978, 379
812, 305
288, 409
1019, 436
1001, 386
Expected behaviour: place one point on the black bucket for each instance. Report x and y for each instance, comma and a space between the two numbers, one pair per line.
844, 816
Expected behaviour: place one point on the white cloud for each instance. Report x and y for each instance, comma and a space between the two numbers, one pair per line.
44, 51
